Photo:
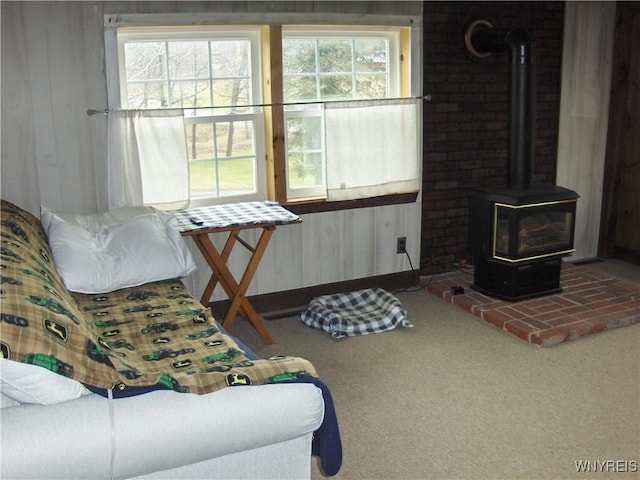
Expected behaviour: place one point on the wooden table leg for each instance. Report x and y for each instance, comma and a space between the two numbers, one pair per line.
239, 301
226, 251
234, 290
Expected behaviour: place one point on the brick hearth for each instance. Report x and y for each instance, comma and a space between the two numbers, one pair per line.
591, 302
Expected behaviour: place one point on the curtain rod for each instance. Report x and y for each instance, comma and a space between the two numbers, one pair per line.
426, 98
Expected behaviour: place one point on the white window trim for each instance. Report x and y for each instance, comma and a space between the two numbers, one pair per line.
283, 18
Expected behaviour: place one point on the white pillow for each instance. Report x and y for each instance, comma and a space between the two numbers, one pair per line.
26, 383
118, 249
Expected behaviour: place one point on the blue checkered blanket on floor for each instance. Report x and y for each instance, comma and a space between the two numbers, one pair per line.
362, 312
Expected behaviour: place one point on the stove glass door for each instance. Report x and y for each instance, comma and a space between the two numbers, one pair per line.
533, 231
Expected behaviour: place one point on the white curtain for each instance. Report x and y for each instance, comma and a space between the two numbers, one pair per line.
147, 159
361, 138
589, 29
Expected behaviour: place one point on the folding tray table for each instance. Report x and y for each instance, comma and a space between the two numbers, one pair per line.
199, 222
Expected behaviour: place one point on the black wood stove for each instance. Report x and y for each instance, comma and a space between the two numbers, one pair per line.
518, 232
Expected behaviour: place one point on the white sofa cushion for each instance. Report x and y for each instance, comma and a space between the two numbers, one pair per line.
6, 401
157, 431
26, 383
123, 248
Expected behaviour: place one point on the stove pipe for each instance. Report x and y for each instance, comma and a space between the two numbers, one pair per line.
486, 40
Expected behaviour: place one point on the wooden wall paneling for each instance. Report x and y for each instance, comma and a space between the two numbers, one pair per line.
280, 266
20, 182
62, 78
615, 136
311, 246
363, 240
628, 224
69, 101
413, 231
37, 44
620, 224
197, 281
321, 248
95, 97
389, 220
346, 243
285, 268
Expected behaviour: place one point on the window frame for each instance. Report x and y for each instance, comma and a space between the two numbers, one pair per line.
301, 193
255, 114
259, 171
271, 28
391, 34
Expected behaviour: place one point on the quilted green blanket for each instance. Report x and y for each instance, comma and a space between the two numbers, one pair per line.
155, 335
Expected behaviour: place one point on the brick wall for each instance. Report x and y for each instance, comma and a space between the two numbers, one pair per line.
466, 124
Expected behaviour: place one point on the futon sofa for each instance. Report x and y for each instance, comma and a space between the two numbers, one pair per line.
141, 381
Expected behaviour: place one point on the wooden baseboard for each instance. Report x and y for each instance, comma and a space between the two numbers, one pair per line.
626, 254
290, 302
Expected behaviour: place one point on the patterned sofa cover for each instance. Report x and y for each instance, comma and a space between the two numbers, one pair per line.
130, 340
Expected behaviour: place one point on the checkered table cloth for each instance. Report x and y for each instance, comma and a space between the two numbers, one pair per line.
235, 215
367, 311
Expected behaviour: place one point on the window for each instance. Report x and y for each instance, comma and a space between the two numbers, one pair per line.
210, 74
221, 81
329, 65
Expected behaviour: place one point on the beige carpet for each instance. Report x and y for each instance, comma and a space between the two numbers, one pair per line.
455, 398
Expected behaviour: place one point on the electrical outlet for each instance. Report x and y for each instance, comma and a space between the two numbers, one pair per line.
401, 245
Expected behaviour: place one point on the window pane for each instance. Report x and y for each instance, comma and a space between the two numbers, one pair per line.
222, 178
148, 95
371, 55
237, 176
231, 93
199, 141
189, 94
345, 69
202, 178
235, 139
371, 86
304, 152
188, 59
230, 58
298, 56
305, 170
222, 158
300, 89
145, 61
336, 87
196, 74
335, 56
304, 133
